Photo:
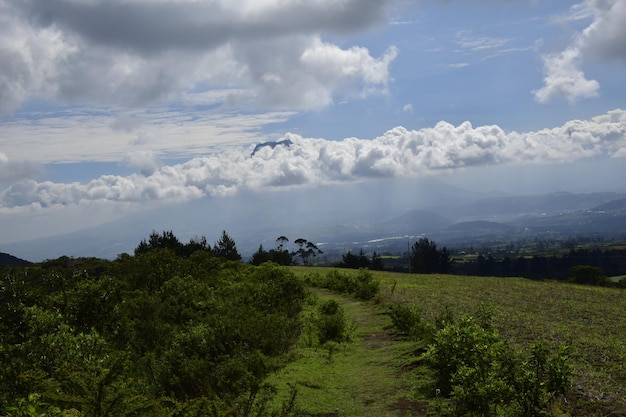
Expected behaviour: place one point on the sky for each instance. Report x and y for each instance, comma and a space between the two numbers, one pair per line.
110, 107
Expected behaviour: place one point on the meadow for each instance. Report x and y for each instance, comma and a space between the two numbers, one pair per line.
379, 372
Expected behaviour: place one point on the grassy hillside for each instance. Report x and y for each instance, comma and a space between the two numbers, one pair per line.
590, 320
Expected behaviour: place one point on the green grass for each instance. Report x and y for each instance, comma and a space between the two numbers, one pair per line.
358, 378
617, 278
363, 380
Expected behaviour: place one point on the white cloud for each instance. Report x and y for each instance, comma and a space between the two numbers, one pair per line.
110, 134
11, 171
139, 52
145, 160
563, 78
310, 162
604, 38
466, 40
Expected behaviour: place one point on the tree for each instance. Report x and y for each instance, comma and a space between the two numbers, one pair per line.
586, 274
350, 260
427, 259
306, 251
225, 247
260, 256
281, 240
377, 262
167, 240
195, 244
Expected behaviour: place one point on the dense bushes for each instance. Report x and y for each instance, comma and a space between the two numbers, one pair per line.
477, 373
152, 334
362, 284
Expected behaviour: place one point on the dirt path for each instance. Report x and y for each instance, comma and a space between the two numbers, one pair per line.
359, 378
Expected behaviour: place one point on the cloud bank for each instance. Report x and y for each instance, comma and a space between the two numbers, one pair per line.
135, 52
603, 39
310, 162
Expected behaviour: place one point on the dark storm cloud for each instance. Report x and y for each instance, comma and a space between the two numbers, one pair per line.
150, 27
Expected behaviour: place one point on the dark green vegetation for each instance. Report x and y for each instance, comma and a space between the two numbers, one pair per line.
305, 252
181, 330
350, 260
547, 264
154, 334
563, 260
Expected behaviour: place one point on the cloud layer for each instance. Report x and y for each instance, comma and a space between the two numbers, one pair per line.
310, 162
138, 52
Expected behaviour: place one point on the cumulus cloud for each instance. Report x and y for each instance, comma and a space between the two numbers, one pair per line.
563, 78
604, 38
138, 52
146, 161
309, 162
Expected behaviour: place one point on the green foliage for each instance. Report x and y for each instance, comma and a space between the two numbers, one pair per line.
426, 258
226, 248
167, 240
307, 251
366, 287
279, 256
144, 334
33, 406
586, 274
362, 285
483, 376
350, 260
408, 319
331, 322
541, 378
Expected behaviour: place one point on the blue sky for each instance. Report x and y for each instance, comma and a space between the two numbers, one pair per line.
109, 106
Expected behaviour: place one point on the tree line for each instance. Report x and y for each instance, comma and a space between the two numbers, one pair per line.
566, 266
224, 247
306, 251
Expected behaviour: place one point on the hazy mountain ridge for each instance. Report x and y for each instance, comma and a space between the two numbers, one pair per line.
370, 215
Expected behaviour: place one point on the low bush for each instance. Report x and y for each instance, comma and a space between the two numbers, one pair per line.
362, 285
331, 322
408, 320
483, 376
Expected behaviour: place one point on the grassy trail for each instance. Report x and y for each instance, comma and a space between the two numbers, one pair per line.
360, 378
377, 375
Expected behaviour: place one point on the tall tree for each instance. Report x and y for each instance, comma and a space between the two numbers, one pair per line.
427, 259
280, 241
306, 251
260, 256
166, 240
225, 247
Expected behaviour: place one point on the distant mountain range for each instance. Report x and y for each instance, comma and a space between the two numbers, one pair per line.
374, 216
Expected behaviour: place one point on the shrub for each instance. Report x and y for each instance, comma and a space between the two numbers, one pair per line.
485, 377
362, 285
541, 378
407, 319
366, 287
331, 323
